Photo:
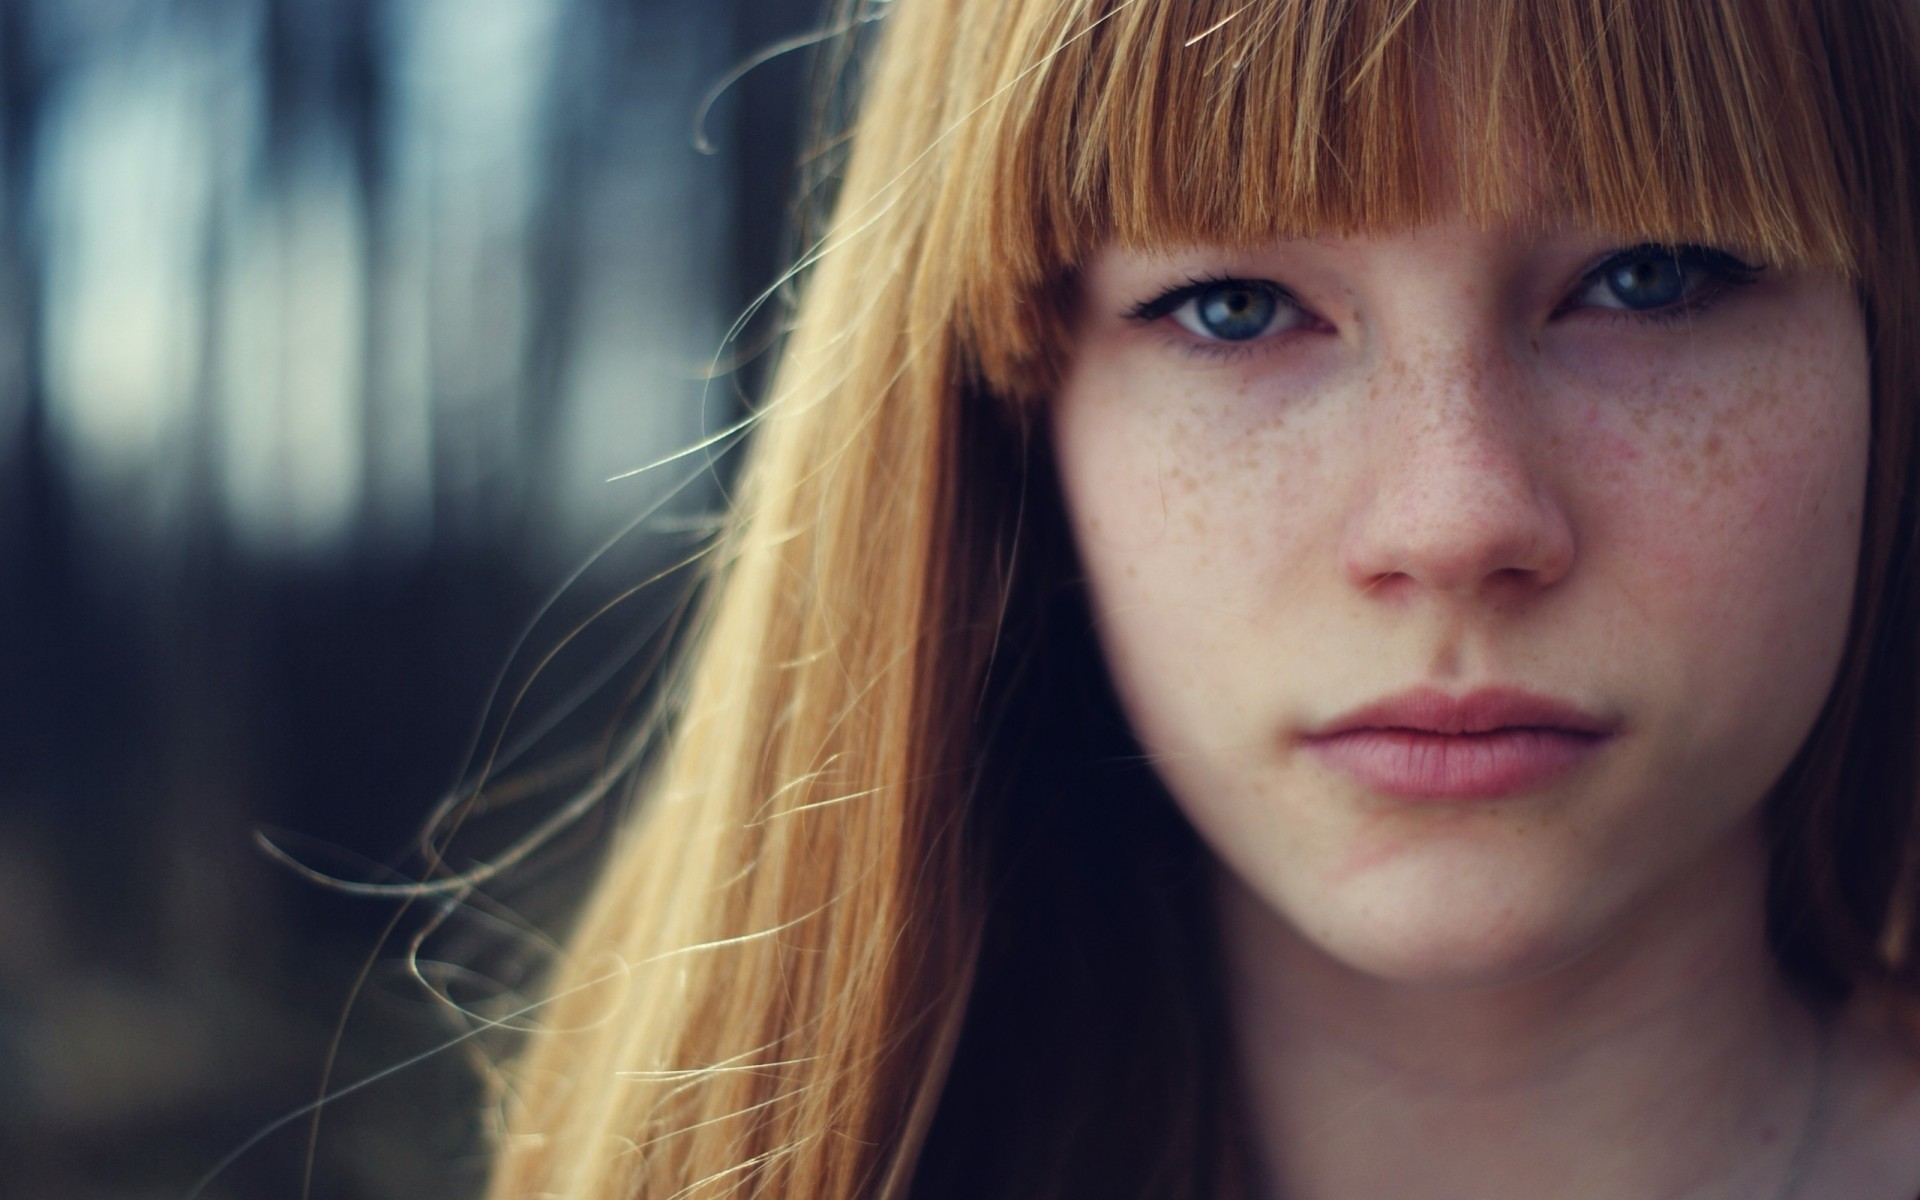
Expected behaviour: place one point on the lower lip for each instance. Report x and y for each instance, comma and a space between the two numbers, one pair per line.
1466, 766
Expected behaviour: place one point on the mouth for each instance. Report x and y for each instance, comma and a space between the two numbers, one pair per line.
1428, 745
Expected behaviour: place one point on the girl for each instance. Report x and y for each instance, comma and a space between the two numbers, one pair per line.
1320, 608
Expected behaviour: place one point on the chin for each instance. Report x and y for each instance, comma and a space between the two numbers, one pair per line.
1465, 954
1422, 928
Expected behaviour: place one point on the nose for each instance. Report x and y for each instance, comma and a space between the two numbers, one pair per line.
1460, 499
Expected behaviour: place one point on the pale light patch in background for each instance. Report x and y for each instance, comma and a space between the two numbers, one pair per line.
122, 205
291, 433
473, 78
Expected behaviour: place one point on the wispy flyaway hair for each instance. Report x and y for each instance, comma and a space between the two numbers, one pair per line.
889, 922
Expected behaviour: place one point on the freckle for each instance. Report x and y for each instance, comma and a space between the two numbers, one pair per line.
1713, 444
1246, 458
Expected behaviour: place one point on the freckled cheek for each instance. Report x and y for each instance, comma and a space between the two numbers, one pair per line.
1805, 496
1741, 524
1189, 508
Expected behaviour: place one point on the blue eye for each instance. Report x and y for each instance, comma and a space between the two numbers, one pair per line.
1655, 279
1226, 310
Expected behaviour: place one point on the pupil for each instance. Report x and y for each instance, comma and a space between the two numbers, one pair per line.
1235, 314
1652, 282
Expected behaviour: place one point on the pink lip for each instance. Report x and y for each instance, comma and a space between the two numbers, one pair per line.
1428, 745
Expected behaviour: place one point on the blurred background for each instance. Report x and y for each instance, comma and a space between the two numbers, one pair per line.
333, 333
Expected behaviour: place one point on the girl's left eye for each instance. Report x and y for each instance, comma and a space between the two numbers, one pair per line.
1226, 310
1655, 280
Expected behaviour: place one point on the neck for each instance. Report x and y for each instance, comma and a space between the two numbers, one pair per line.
1671, 1063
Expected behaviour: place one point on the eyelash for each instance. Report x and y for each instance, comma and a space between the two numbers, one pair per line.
1726, 274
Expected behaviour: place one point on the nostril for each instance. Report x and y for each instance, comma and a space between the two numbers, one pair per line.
1510, 583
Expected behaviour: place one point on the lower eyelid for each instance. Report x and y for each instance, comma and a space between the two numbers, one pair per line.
1181, 342
1195, 348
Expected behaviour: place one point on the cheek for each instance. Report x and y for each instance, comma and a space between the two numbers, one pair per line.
1727, 527
1171, 466
1195, 516
1733, 440
1759, 496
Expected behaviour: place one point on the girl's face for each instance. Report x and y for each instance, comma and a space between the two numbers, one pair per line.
1468, 588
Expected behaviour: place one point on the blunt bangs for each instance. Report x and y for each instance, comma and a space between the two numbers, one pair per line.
1153, 124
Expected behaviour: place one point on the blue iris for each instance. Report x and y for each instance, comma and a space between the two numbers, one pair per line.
1235, 312
1655, 279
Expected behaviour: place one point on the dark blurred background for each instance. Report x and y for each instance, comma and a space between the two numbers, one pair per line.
326, 327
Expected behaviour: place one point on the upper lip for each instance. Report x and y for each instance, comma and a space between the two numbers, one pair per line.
1484, 710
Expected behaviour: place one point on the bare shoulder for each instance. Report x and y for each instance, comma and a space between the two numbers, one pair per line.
1871, 1130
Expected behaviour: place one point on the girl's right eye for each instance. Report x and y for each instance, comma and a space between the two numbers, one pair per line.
1226, 310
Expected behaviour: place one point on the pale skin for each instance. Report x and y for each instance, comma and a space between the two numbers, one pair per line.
1456, 458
